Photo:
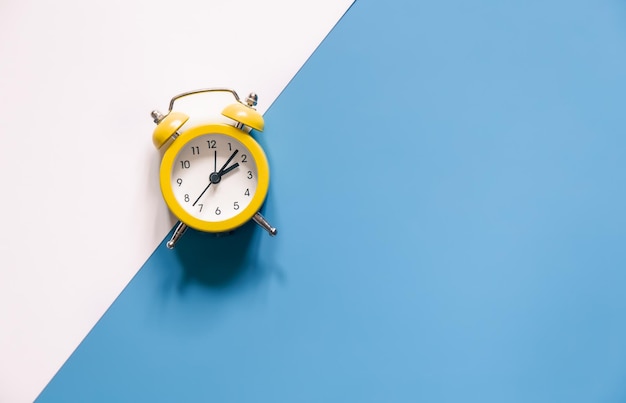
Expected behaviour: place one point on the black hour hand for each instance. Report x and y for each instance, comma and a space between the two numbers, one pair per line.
230, 168
221, 171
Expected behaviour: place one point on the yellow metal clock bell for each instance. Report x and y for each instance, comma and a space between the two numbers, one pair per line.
214, 177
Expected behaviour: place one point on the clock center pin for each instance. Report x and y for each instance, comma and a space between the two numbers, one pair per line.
215, 178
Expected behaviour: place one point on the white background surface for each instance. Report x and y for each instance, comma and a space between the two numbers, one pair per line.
81, 210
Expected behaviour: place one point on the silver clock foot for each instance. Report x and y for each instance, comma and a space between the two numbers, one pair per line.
178, 233
259, 219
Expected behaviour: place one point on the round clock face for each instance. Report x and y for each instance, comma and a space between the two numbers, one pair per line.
214, 177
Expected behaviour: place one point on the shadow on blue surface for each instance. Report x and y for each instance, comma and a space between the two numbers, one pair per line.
462, 245
215, 260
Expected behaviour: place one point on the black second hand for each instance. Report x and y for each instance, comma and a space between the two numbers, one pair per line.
214, 171
220, 173
205, 189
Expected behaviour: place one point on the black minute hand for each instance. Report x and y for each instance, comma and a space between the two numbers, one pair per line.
221, 172
230, 168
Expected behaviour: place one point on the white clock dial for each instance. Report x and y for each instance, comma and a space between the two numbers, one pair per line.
214, 177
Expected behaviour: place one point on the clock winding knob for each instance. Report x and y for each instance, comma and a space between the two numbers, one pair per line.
252, 99
156, 116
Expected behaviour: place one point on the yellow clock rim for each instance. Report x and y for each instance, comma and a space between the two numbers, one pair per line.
263, 174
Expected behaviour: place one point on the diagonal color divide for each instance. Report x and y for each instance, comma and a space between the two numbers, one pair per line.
78, 81
446, 178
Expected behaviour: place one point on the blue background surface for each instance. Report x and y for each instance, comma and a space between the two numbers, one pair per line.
448, 183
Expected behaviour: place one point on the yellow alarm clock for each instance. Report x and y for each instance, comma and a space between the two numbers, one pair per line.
214, 177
